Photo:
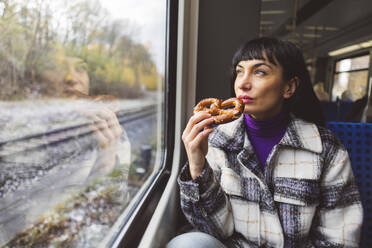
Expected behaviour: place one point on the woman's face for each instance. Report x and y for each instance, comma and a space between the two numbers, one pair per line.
76, 77
260, 85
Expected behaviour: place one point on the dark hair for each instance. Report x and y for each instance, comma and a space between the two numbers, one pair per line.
304, 103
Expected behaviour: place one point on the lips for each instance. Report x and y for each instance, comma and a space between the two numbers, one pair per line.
245, 99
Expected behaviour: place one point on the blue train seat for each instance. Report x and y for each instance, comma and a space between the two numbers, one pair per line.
336, 111
357, 139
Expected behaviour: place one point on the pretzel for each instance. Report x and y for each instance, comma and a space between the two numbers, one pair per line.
221, 111
81, 95
113, 102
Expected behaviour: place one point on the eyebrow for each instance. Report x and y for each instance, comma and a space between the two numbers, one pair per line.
257, 65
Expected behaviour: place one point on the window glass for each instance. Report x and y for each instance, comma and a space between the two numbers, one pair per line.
351, 64
81, 116
350, 78
349, 86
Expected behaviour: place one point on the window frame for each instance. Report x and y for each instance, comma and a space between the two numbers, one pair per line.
140, 213
350, 55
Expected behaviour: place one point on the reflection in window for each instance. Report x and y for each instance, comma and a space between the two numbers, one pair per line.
81, 82
350, 78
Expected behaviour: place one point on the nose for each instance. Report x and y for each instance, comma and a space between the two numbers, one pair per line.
70, 85
69, 80
244, 83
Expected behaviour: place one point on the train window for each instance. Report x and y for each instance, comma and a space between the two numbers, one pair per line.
82, 116
350, 78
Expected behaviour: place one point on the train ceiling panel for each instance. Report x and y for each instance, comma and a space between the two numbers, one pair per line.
315, 21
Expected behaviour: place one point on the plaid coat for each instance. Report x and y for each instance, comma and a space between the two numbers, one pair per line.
305, 197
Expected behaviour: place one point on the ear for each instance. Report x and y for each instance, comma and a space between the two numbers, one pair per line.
290, 87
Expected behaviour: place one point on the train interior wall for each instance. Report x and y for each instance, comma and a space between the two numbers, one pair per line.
207, 38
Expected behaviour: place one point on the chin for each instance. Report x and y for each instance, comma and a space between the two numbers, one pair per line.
249, 110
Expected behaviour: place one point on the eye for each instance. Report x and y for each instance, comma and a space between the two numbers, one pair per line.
260, 72
239, 71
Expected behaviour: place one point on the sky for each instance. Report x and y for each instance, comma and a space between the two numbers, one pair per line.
150, 17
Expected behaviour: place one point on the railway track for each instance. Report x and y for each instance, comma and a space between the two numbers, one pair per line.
62, 135
30, 157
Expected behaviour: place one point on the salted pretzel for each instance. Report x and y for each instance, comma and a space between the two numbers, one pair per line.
222, 112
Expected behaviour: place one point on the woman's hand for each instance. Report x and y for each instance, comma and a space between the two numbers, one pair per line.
106, 126
195, 139
106, 130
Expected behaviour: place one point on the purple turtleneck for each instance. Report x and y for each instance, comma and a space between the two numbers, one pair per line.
265, 134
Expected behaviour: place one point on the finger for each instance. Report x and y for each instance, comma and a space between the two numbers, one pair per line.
209, 127
105, 125
199, 127
195, 119
112, 121
102, 140
106, 131
107, 114
103, 128
201, 137
116, 130
114, 126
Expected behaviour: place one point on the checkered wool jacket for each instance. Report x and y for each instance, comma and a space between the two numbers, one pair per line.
305, 197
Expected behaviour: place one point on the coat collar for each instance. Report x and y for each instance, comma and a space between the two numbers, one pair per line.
299, 135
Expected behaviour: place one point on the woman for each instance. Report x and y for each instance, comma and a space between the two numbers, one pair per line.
275, 177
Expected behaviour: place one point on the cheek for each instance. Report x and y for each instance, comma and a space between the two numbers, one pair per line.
83, 79
271, 93
235, 88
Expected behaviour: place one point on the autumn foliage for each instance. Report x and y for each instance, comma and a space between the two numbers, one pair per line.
41, 41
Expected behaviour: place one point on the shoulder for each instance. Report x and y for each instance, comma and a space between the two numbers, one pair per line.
308, 136
328, 148
333, 149
326, 136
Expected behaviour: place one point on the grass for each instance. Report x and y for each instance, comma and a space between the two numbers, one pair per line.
101, 202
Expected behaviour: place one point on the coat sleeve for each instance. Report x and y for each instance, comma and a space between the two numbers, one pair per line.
205, 204
339, 216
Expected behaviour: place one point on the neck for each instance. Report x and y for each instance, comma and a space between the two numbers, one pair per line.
269, 126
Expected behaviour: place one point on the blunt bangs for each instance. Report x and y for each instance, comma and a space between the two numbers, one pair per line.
275, 51
254, 50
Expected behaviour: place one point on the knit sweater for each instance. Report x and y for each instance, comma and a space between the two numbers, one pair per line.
265, 134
